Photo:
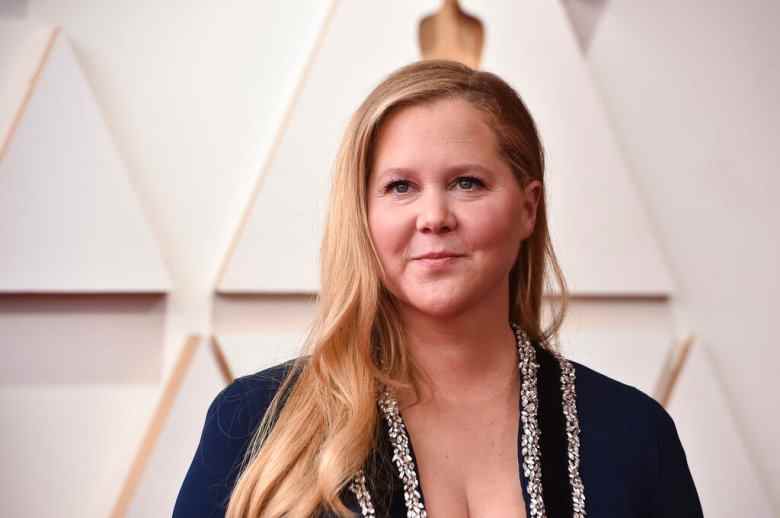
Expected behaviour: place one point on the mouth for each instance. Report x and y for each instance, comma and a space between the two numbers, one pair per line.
437, 261
437, 256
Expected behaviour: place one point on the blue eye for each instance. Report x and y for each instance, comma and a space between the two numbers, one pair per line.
466, 183
403, 187
469, 183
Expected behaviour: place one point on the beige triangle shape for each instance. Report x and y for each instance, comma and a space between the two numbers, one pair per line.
23, 50
204, 366
166, 449
94, 423
70, 220
716, 453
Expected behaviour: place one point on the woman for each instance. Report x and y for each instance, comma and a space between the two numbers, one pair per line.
430, 367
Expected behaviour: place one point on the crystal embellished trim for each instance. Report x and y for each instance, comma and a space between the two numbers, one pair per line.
531, 452
572, 435
402, 456
358, 486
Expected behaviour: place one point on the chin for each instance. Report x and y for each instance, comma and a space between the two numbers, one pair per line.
443, 307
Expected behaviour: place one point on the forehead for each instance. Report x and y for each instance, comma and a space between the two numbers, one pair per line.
444, 129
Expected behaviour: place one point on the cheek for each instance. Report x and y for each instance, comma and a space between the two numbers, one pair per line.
495, 229
389, 235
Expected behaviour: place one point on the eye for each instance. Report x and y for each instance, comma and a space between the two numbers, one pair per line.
398, 187
469, 183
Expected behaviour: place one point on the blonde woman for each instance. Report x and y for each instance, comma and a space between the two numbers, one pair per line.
431, 386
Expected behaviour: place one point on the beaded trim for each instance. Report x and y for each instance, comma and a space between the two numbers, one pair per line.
358, 486
402, 456
572, 436
531, 452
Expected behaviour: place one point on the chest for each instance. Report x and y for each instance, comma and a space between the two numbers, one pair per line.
468, 461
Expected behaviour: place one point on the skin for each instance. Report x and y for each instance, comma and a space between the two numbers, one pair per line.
439, 183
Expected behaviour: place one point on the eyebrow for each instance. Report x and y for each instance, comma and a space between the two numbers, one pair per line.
459, 168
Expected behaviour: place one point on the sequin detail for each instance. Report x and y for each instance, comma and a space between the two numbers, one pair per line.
572, 435
531, 452
358, 486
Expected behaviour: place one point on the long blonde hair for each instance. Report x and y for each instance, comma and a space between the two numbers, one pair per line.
324, 430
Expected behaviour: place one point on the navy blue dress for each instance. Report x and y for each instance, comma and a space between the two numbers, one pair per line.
632, 463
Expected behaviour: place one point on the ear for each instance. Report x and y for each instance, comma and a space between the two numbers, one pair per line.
532, 195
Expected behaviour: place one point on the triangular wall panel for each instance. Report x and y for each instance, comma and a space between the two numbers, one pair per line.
166, 450
716, 453
603, 237
69, 218
103, 419
584, 16
23, 47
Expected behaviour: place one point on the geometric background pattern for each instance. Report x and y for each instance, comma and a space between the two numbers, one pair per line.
76, 225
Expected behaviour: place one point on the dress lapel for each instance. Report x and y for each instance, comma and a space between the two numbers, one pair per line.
384, 484
556, 489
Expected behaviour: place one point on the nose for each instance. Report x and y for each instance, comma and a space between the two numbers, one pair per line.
435, 214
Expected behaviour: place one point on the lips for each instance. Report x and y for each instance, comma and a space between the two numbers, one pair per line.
438, 255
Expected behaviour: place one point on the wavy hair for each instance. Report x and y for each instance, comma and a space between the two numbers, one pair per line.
315, 437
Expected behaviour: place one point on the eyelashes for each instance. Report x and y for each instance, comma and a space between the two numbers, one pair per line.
466, 183
469, 179
390, 187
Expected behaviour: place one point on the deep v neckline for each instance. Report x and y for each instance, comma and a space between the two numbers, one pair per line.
521, 476
548, 444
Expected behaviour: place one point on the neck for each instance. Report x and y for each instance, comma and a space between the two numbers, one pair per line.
467, 359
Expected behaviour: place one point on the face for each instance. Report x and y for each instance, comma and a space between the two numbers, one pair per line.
446, 214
